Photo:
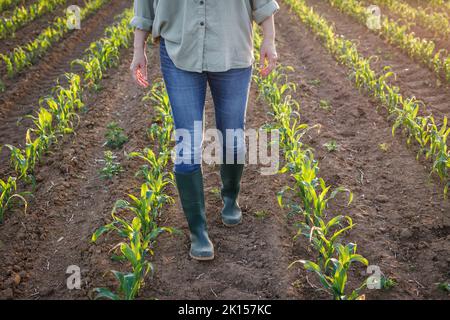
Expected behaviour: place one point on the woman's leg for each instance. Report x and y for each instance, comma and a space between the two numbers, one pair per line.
230, 94
186, 92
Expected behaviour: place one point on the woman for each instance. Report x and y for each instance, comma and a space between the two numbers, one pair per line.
205, 42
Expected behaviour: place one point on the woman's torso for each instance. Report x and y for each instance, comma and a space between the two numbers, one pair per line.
206, 35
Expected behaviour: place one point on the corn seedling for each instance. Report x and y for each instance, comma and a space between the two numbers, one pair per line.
135, 252
331, 146
7, 194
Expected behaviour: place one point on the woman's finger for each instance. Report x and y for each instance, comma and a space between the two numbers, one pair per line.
141, 80
262, 59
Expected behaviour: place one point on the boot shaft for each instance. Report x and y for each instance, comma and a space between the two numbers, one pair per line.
231, 179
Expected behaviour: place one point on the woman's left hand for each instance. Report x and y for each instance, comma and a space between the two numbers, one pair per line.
269, 53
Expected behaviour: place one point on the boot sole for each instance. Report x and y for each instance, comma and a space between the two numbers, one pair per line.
231, 225
201, 258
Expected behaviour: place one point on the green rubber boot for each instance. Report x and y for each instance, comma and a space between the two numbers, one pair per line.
190, 189
231, 178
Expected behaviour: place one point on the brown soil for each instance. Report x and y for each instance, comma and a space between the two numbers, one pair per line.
414, 79
402, 219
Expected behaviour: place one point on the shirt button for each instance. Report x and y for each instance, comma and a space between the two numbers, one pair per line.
202, 23
202, 2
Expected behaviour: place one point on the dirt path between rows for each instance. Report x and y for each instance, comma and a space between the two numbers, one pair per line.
413, 78
403, 220
251, 259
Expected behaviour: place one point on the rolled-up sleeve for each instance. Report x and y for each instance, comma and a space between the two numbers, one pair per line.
262, 9
143, 15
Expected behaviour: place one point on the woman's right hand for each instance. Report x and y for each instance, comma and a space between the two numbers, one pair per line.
138, 67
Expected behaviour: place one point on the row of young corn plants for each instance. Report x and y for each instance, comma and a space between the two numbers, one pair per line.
6, 4
430, 135
436, 22
439, 4
25, 55
136, 222
58, 113
417, 48
23, 15
309, 195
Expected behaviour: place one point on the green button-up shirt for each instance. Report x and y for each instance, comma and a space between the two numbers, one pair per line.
204, 35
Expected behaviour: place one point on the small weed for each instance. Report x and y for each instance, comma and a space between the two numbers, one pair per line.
331, 146
261, 214
314, 82
216, 192
115, 138
111, 167
325, 105
384, 147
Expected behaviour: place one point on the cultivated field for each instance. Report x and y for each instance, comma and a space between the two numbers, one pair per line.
85, 169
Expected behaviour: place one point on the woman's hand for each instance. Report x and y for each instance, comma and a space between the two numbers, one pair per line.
268, 49
138, 66
269, 53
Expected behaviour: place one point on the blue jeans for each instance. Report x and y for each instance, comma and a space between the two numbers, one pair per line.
187, 93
